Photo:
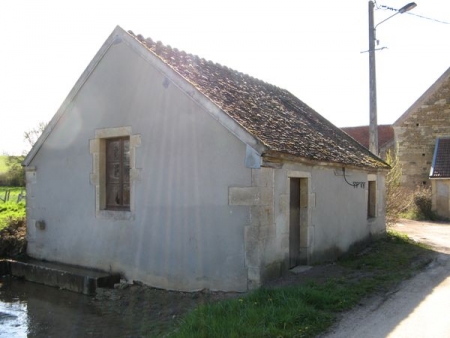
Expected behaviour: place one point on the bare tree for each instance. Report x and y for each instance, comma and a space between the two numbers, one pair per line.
398, 199
32, 135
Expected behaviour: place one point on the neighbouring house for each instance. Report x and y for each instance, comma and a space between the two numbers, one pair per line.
440, 177
185, 174
385, 138
417, 135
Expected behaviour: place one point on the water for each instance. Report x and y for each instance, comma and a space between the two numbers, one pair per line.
13, 319
33, 310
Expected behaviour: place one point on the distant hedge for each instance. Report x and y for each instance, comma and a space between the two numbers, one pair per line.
12, 173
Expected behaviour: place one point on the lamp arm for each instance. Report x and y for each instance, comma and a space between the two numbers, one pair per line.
385, 20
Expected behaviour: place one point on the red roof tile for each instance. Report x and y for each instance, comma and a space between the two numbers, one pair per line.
282, 122
361, 134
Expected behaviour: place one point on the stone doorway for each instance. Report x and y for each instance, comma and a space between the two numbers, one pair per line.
298, 221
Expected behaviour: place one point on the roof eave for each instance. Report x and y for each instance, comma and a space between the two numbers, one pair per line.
279, 157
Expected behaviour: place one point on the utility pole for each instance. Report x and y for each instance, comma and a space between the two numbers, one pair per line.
373, 125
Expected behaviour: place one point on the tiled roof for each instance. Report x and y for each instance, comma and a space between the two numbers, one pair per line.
441, 159
361, 134
279, 120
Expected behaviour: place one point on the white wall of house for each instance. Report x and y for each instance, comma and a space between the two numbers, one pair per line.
182, 234
441, 197
334, 215
339, 211
199, 218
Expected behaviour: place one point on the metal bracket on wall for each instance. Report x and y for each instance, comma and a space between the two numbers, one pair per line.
353, 184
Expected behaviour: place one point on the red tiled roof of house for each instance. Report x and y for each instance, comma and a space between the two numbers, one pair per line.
441, 159
278, 119
361, 134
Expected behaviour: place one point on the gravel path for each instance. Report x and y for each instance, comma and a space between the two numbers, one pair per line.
419, 307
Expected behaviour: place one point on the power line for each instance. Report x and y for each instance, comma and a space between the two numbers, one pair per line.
387, 8
424, 17
419, 16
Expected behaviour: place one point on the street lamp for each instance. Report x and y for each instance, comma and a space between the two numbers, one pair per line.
373, 127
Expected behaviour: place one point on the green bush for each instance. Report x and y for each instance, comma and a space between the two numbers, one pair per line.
12, 173
4, 181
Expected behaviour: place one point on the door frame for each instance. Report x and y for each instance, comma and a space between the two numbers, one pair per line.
305, 240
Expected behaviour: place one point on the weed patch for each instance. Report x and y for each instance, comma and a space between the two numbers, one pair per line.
11, 212
307, 310
12, 229
263, 313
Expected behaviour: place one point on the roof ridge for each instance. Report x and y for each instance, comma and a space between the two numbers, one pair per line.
157, 46
366, 126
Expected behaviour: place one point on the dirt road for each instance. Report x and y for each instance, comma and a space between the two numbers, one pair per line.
419, 307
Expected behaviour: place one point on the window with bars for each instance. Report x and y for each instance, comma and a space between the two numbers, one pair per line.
118, 173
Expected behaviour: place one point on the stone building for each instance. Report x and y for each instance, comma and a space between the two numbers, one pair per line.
417, 130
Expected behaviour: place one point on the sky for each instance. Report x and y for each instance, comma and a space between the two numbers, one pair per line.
316, 49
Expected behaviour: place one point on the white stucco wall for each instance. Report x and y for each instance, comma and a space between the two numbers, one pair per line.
440, 197
336, 216
199, 218
183, 234
337, 212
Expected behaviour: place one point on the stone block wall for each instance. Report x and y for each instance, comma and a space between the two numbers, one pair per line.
416, 134
259, 234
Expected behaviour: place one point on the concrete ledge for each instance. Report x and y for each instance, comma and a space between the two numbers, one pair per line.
66, 277
5, 267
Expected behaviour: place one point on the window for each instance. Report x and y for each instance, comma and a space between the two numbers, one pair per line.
118, 173
114, 174
372, 199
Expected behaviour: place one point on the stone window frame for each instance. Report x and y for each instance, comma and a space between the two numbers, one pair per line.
97, 148
372, 196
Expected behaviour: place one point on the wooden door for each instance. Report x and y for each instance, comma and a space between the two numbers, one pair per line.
294, 222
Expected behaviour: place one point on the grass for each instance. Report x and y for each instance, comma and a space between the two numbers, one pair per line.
287, 312
13, 193
307, 310
11, 211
